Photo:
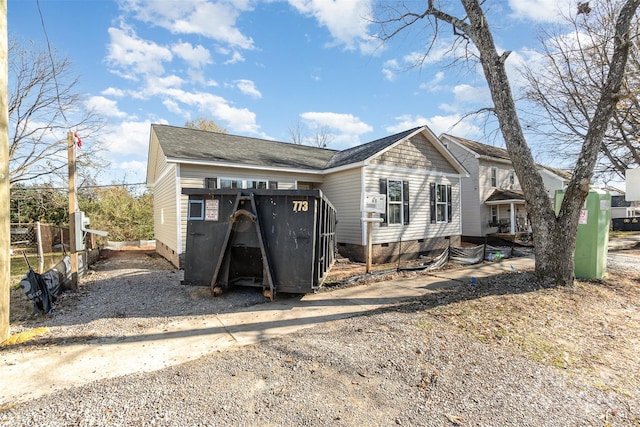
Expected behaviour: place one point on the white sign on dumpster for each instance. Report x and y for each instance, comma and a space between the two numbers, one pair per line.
374, 203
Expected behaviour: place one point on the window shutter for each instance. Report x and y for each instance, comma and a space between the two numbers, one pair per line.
432, 195
405, 201
383, 190
211, 182
273, 185
449, 204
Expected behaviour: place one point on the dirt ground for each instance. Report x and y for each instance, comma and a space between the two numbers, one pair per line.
588, 333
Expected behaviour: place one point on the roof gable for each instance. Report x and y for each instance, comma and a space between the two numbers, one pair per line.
363, 152
479, 148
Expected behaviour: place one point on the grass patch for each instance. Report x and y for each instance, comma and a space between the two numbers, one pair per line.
19, 266
24, 336
590, 329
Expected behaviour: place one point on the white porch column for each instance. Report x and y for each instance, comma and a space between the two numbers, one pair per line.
512, 217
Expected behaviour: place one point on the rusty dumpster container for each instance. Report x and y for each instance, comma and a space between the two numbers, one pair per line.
277, 240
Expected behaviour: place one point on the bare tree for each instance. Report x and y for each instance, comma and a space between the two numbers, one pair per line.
204, 124
320, 136
568, 86
43, 107
554, 236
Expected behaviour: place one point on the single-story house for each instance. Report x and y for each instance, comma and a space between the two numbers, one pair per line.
418, 175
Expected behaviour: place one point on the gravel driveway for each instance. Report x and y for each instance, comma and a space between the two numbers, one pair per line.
398, 366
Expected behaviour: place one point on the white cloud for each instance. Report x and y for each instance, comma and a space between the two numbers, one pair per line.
346, 21
196, 56
104, 106
200, 17
468, 94
240, 120
345, 123
112, 91
389, 69
437, 124
440, 51
128, 138
173, 106
248, 88
235, 58
541, 10
434, 85
134, 55
134, 166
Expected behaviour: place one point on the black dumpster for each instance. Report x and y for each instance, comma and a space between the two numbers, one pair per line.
277, 240
626, 224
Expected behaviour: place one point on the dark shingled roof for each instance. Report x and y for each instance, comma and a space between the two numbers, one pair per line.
499, 195
194, 144
481, 149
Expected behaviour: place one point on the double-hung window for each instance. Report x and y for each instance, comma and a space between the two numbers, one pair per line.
394, 197
494, 177
441, 203
397, 211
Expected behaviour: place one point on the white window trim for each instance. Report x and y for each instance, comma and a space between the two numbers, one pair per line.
445, 203
400, 203
243, 181
493, 177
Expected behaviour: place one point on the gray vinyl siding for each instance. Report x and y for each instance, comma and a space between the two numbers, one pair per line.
165, 209
553, 183
343, 189
472, 206
416, 153
420, 226
477, 188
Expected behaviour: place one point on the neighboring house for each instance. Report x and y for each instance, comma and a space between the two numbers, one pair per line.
419, 176
492, 199
620, 207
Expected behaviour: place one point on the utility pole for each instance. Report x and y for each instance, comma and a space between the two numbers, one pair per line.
73, 208
5, 211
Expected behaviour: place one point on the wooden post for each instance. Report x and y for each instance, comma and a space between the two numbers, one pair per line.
369, 242
5, 231
73, 208
40, 250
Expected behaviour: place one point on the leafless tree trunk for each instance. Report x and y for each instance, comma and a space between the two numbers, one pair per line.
554, 236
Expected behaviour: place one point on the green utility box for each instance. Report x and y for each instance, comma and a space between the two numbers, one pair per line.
593, 234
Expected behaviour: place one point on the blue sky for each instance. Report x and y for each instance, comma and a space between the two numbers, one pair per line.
257, 68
